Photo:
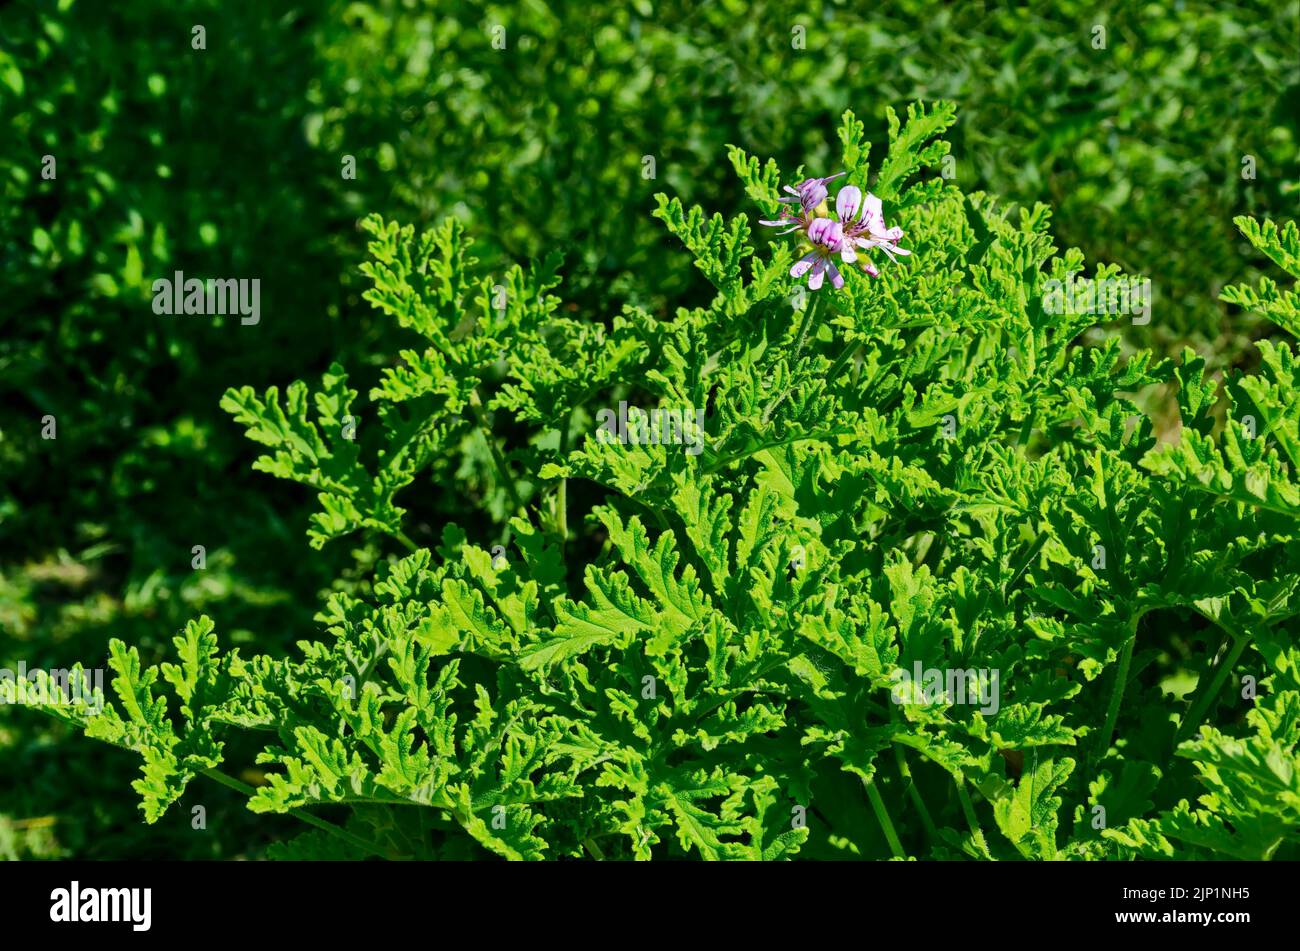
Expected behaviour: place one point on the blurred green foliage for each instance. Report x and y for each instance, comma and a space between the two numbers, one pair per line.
543, 126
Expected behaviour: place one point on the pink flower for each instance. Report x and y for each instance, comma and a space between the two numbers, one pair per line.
827, 237
808, 194
859, 224
863, 222
811, 192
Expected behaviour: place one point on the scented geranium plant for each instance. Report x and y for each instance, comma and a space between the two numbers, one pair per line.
932, 588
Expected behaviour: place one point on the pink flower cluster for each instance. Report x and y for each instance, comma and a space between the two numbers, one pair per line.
859, 224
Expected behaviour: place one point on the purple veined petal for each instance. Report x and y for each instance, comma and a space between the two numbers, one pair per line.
897, 250
847, 253
847, 202
866, 243
893, 234
802, 265
818, 273
837, 279
869, 268
779, 222
813, 195
819, 181
873, 213
827, 233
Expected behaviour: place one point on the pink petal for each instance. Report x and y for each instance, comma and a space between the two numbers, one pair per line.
872, 210
818, 273
847, 202
801, 267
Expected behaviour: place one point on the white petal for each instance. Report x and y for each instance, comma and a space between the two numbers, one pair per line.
819, 272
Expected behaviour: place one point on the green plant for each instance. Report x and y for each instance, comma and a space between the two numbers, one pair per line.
171, 157
626, 650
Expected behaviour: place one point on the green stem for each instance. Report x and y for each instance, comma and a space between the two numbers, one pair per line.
401, 537
882, 816
804, 327
1025, 562
1027, 430
1208, 690
931, 834
801, 338
968, 809
562, 496
594, 849
307, 817
561, 511
1116, 694
503, 471
848, 354
723, 461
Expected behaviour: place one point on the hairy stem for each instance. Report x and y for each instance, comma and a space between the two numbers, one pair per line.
723, 461
804, 326
1116, 694
1027, 430
307, 817
562, 496
801, 338
503, 471
561, 511
882, 816
968, 810
844, 358
1207, 690
914, 794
